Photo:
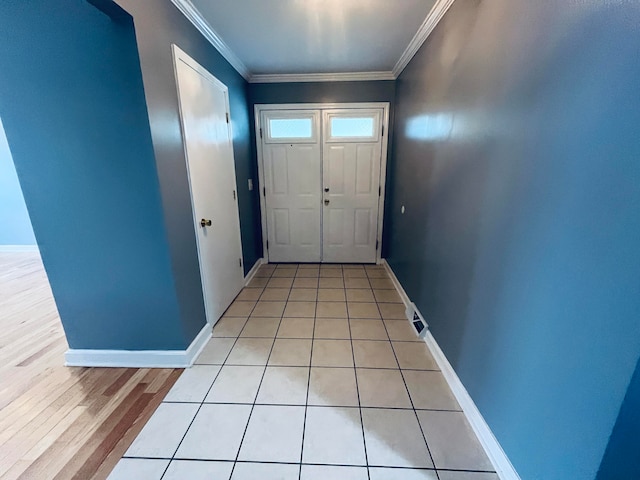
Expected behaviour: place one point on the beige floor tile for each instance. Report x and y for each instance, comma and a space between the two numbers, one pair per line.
332, 353
331, 282
366, 329
300, 309
257, 282
240, 308
374, 354
264, 471
280, 283
450, 475
275, 294
380, 473
195, 470
248, 294
127, 468
215, 351
291, 353
452, 442
381, 283
274, 434
392, 311
333, 387
250, 351
333, 435
415, 356
266, 270
302, 282
235, 384
401, 330
387, 296
308, 273
228, 327
394, 439
284, 273
335, 328
331, 310
330, 273
350, 282
363, 310
382, 388
378, 273
331, 295
325, 472
265, 327
228, 421
268, 309
284, 386
429, 390
193, 384
296, 328
349, 273
303, 295
360, 295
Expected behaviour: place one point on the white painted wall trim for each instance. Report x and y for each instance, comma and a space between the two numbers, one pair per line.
193, 15
321, 77
140, 358
494, 451
429, 24
253, 271
18, 248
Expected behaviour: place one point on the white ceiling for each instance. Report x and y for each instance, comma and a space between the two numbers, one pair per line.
313, 36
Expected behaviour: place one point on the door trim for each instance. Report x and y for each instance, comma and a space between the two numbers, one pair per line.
385, 106
180, 55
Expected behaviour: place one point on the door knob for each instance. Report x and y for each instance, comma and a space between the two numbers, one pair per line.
326, 189
205, 223
326, 202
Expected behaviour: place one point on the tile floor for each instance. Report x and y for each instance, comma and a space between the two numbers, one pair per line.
313, 373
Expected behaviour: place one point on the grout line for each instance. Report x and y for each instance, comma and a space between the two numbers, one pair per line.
409, 395
253, 406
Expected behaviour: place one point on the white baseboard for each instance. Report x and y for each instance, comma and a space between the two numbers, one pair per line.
140, 358
18, 248
487, 439
253, 271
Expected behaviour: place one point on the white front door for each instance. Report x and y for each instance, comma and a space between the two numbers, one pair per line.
322, 184
204, 108
352, 150
292, 181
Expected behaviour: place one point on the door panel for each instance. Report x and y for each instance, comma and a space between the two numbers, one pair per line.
209, 151
292, 185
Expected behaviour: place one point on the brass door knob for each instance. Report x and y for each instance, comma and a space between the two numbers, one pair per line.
205, 223
326, 202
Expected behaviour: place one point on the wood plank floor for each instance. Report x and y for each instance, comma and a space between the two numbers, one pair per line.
58, 422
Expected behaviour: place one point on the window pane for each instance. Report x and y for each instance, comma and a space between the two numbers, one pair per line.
352, 127
290, 127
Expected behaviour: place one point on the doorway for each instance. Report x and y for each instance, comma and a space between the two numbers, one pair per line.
322, 173
206, 129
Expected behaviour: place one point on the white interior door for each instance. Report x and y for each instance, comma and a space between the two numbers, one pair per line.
292, 181
352, 150
204, 108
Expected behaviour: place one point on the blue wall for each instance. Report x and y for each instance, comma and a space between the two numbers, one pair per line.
73, 107
516, 155
15, 226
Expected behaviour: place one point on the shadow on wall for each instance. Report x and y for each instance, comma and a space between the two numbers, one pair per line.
516, 157
15, 225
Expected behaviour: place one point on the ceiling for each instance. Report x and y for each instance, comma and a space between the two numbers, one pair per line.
272, 40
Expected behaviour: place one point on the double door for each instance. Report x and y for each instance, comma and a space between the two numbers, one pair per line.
322, 184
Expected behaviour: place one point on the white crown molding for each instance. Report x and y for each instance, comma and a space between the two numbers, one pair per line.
429, 24
321, 77
139, 358
193, 15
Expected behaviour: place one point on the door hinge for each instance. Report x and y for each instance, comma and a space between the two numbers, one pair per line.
267, 244
227, 117
376, 244
383, 130
234, 194
260, 132
379, 190
264, 191
240, 262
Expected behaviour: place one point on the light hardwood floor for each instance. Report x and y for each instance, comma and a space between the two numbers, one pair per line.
58, 422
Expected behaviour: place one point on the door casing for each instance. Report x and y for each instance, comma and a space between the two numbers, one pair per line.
385, 106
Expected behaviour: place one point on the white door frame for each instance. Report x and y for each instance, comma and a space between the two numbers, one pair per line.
180, 55
258, 108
